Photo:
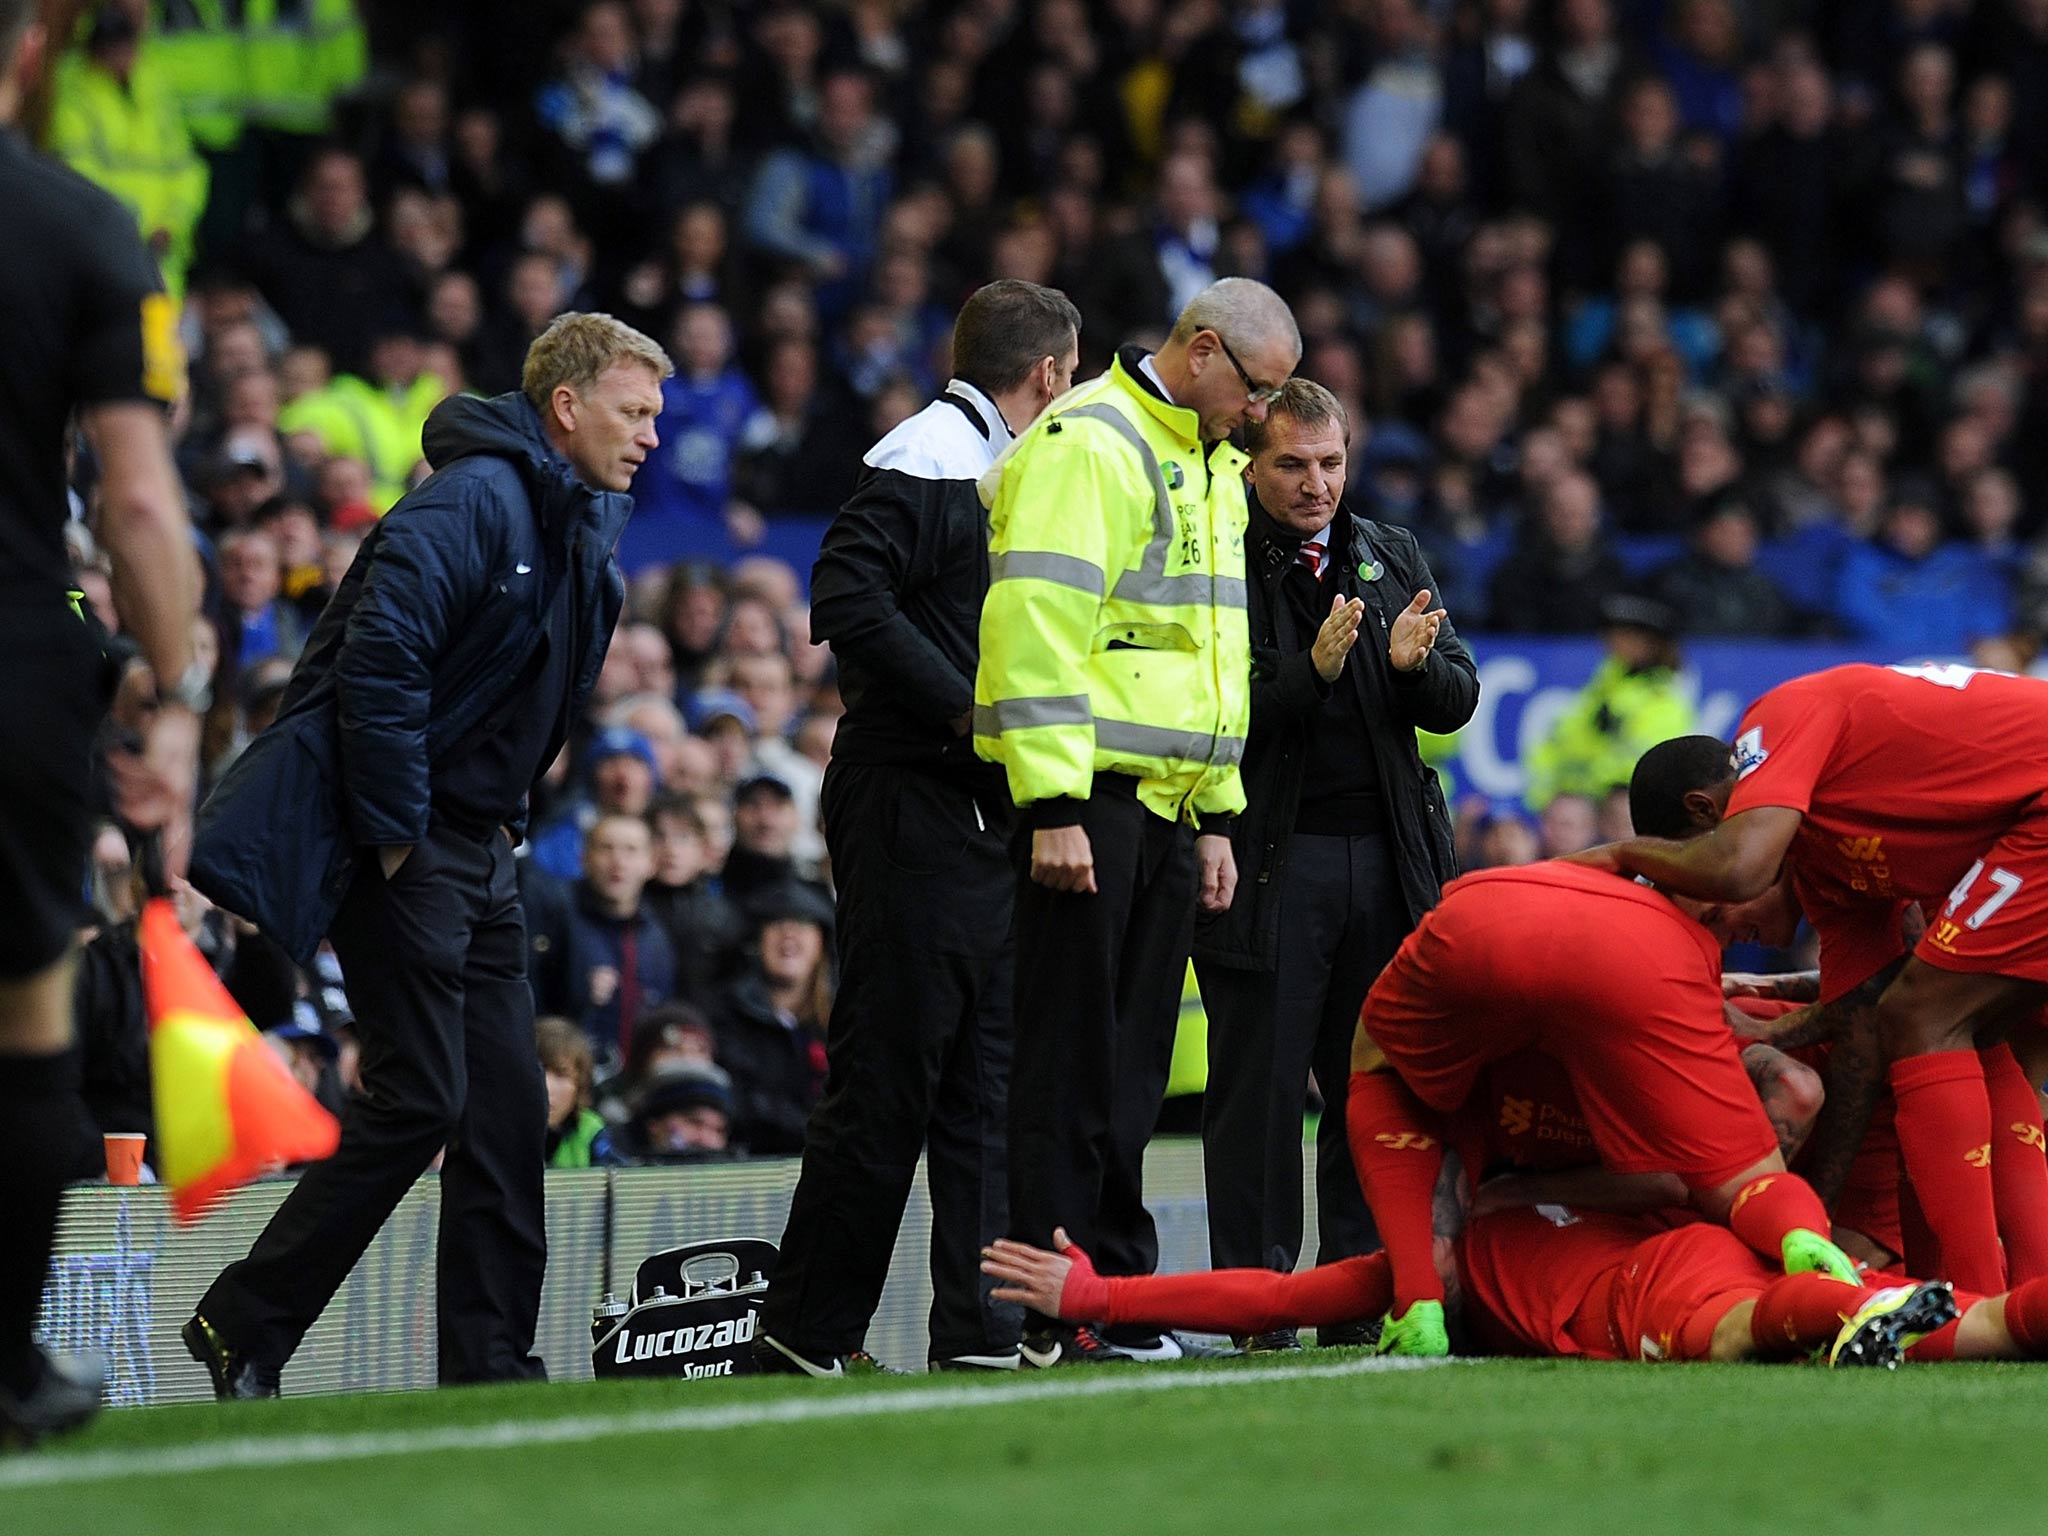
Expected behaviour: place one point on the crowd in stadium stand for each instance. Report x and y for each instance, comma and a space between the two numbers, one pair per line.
1734, 316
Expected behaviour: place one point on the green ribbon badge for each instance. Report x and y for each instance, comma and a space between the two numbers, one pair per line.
1371, 570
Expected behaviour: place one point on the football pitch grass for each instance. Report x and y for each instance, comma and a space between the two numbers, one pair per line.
1323, 1443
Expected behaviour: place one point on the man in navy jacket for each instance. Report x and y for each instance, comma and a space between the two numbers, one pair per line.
381, 810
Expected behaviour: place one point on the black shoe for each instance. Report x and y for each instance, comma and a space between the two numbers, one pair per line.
1076, 1344
1275, 1341
773, 1358
66, 1394
1009, 1360
1349, 1335
235, 1375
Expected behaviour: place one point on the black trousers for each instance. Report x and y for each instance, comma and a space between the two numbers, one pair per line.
1098, 996
917, 1058
435, 962
1342, 916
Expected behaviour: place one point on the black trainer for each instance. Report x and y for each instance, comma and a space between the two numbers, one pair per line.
1069, 1344
235, 1375
1275, 1341
774, 1358
66, 1394
1364, 1335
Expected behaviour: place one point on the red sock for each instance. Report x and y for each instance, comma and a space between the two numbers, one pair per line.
1922, 1254
1254, 1300
1772, 1204
2026, 1318
1800, 1313
2019, 1167
1937, 1346
1944, 1125
1397, 1147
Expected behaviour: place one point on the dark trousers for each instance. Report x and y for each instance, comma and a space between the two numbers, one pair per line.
918, 1058
1342, 916
435, 962
1098, 996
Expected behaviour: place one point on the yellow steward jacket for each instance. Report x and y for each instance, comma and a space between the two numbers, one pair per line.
1113, 638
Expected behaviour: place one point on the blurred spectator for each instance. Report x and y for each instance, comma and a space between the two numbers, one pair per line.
771, 1030
376, 419
623, 779
115, 120
822, 207
766, 824
1561, 571
705, 410
577, 1134
256, 621
1918, 596
1568, 824
1634, 700
1715, 588
684, 1114
331, 281
591, 108
601, 959
1505, 839
703, 927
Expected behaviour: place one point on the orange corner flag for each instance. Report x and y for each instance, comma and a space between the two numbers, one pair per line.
226, 1108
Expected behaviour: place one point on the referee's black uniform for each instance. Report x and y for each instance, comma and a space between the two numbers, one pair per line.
919, 1046
86, 323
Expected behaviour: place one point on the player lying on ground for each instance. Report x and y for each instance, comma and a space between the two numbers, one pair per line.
1873, 788
1548, 1281
1620, 987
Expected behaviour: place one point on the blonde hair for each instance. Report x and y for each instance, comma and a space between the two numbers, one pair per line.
576, 348
566, 1048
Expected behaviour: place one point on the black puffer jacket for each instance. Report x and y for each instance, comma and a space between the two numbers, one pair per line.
1286, 693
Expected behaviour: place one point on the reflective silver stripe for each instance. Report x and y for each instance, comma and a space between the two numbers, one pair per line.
1162, 741
1061, 570
1022, 714
1195, 588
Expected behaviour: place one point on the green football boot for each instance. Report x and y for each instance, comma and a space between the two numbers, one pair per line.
1417, 1333
1808, 1253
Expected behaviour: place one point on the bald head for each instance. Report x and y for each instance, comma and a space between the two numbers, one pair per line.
1244, 310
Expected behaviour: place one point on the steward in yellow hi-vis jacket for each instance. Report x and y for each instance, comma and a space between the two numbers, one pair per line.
1113, 637
1114, 687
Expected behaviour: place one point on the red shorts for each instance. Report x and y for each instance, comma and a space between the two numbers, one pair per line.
1996, 919
1613, 985
1602, 1286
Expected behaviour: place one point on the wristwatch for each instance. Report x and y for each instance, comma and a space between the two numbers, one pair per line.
194, 690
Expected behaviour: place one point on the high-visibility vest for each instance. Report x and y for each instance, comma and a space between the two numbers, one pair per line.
196, 46
132, 142
300, 55
1114, 635
354, 419
1617, 717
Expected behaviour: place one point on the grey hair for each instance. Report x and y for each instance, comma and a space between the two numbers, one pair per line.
1303, 402
1242, 310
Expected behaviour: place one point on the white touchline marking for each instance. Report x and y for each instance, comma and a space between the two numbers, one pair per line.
56, 1469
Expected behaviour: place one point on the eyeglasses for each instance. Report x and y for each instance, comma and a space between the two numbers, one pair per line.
1254, 393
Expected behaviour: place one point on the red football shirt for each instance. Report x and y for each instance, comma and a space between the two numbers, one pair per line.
1905, 776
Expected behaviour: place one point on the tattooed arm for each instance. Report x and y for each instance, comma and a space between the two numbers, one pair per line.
1855, 1080
1791, 1094
1787, 986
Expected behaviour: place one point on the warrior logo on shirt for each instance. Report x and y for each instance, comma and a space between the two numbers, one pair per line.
1749, 752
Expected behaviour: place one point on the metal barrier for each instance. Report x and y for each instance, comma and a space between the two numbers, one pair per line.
126, 1277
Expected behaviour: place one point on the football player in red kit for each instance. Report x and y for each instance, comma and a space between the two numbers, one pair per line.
1874, 787
1620, 987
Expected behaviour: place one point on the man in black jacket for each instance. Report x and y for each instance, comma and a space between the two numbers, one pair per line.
384, 803
918, 827
1344, 841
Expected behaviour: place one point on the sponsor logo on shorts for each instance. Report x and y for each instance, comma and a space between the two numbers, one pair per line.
1943, 934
